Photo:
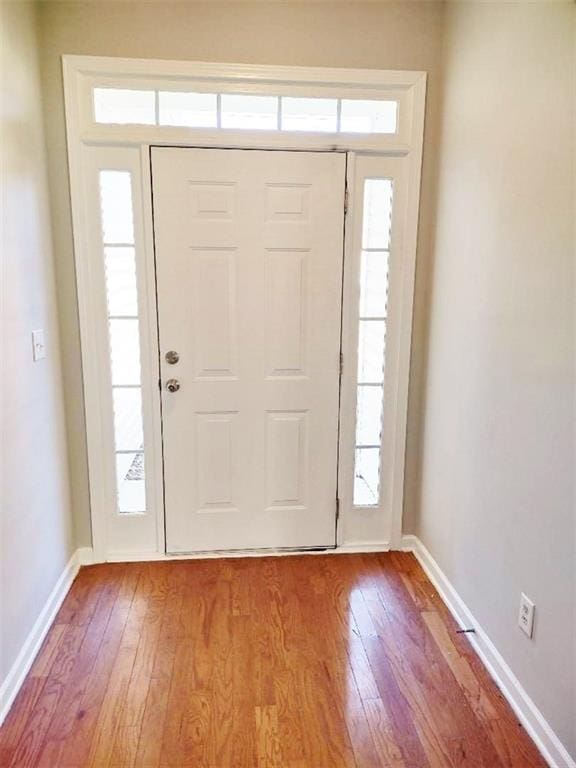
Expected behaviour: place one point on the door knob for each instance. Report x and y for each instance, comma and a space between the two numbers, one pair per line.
172, 385
172, 357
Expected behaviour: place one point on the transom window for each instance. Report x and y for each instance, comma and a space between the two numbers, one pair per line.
189, 109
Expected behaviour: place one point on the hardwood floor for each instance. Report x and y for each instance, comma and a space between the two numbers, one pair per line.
298, 662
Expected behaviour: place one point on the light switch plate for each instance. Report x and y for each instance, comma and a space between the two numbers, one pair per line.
526, 615
38, 345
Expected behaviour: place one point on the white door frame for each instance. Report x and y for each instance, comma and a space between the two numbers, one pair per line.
92, 146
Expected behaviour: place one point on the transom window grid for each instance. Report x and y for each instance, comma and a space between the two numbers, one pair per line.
244, 111
372, 316
118, 252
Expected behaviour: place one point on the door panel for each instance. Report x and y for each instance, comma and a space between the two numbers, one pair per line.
213, 283
287, 460
249, 248
286, 303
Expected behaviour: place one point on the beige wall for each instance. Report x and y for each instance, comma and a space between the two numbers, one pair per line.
389, 35
36, 535
497, 507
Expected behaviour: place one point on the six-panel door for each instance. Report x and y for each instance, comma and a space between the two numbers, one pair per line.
249, 248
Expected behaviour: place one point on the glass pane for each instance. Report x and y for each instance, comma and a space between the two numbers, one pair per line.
194, 110
362, 116
240, 111
116, 206
123, 106
369, 415
125, 351
130, 482
367, 477
373, 283
377, 213
371, 351
121, 281
309, 114
128, 432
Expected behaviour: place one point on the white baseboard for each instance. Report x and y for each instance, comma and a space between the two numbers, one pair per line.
362, 546
546, 740
13, 682
85, 555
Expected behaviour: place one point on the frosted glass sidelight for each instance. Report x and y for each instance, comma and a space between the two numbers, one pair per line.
128, 432
371, 352
368, 116
121, 281
377, 213
243, 111
116, 207
367, 477
125, 352
192, 110
374, 264
124, 107
119, 257
374, 284
369, 415
130, 485
315, 115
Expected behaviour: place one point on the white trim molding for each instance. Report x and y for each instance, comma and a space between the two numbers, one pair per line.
548, 743
85, 556
94, 146
21, 666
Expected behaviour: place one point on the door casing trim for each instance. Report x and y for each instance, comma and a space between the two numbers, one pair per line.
85, 139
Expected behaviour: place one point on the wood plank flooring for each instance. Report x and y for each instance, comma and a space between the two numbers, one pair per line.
291, 662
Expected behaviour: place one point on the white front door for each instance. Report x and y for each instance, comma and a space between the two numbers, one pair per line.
249, 249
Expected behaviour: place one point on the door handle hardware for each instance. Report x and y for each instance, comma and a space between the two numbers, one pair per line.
172, 385
172, 357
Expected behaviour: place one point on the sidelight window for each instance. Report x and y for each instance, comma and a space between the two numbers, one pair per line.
124, 338
376, 223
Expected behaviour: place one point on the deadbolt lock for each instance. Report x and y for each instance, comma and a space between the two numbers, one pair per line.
172, 357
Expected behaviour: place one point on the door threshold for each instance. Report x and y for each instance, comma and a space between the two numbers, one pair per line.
123, 556
262, 552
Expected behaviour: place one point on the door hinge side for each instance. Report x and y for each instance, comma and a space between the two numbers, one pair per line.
160, 384
341, 363
345, 199
337, 509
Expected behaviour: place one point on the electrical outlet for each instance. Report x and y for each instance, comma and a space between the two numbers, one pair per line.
526, 615
38, 345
